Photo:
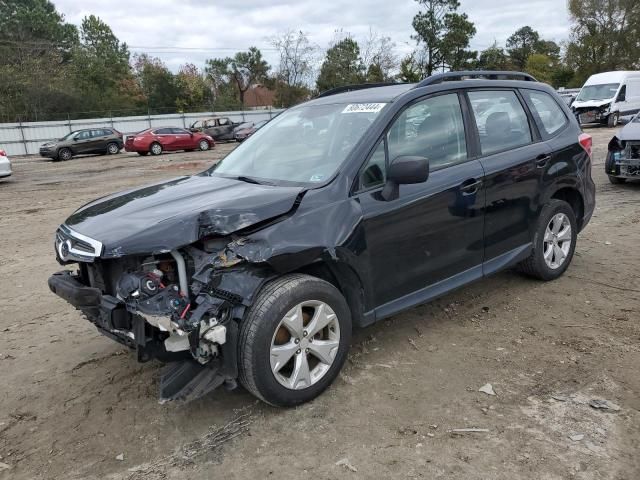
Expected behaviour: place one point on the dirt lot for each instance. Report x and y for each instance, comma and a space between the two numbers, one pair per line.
72, 402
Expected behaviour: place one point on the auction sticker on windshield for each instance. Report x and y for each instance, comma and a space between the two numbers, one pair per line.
364, 108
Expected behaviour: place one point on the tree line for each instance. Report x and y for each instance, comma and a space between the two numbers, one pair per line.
49, 67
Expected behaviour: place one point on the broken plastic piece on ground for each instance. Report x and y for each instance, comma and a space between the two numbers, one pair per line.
577, 437
346, 464
187, 380
468, 430
488, 389
604, 405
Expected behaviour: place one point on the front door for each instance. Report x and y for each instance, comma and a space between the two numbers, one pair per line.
433, 232
83, 142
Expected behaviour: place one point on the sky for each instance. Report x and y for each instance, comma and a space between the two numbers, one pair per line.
180, 31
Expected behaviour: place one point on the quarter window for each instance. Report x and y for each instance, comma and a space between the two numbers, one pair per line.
432, 128
549, 113
501, 120
374, 172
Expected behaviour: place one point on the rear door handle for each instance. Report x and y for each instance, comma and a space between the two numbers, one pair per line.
471, 186
542, 160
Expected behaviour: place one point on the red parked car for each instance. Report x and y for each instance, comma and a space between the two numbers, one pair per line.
157, 140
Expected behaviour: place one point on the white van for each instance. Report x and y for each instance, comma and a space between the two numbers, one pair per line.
606, 97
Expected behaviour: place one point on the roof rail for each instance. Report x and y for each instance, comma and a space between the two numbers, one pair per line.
351, 88
481, 74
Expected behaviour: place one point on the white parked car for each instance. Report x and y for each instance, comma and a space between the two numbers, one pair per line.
5, 165
605, 97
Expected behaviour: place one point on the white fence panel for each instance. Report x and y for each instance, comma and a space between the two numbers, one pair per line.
26, 138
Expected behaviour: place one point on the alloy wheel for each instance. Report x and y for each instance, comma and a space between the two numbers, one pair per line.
156, 149
204, 145
557, 241
304, 345
113, 148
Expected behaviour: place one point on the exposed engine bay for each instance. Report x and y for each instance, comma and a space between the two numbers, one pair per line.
177, 306
623, 158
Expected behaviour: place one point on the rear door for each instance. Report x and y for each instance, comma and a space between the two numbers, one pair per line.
184, 139
433, 231
167, 138
515, 160
99, 138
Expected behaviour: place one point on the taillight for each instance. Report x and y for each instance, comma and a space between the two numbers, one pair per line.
3, 153
586, 142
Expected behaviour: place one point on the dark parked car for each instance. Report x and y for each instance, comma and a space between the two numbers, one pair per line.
158, 140
90, 140
245, 130
338, 213
623, 156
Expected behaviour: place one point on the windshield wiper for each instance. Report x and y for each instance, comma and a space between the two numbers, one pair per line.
244, 178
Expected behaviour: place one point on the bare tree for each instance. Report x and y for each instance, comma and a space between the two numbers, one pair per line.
378, 56
297, 57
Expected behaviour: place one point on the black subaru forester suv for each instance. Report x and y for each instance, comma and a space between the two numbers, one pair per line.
338, 213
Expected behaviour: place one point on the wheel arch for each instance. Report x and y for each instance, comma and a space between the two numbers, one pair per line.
573, 197
346, 280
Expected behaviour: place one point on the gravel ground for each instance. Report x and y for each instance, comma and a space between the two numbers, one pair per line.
76, 405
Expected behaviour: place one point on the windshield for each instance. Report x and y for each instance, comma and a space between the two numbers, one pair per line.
598, 92
70, 135
306, 144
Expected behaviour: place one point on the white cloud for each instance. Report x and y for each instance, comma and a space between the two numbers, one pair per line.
221, 28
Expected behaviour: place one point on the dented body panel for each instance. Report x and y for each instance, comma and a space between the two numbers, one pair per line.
623, 156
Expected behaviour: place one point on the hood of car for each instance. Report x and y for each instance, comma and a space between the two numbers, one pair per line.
591, 103
631, 132
169, 215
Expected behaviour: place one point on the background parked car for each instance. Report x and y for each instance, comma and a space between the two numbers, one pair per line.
219, 128
91, 140
5, 165
623, 157
247, 129
157, 140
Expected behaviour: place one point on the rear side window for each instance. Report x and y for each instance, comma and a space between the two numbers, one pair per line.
551, 118
501, 120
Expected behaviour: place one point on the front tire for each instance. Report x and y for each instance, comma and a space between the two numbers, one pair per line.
65, 154
203, 145
553, 243
294, 340
616, 180
155, 148
613, 120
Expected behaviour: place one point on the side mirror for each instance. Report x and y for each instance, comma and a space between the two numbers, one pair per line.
404, 170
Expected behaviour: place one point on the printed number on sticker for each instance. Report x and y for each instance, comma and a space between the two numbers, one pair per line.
364, 108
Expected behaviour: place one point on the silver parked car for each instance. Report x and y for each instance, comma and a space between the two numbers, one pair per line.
5, 165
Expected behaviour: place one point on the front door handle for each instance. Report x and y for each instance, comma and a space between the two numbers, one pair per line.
471, 186
542, 160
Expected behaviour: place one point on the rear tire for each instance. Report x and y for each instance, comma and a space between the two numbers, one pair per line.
113, 148
264, 331
616, 180
65, 154
155, 148
551, 256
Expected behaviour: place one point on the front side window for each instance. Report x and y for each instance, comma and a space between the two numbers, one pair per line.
549, 112
432, 128
305, 144
84, 135
501, 120
179, 131
163, 131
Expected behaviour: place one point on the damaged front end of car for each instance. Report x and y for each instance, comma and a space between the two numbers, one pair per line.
623, 158
178, 307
